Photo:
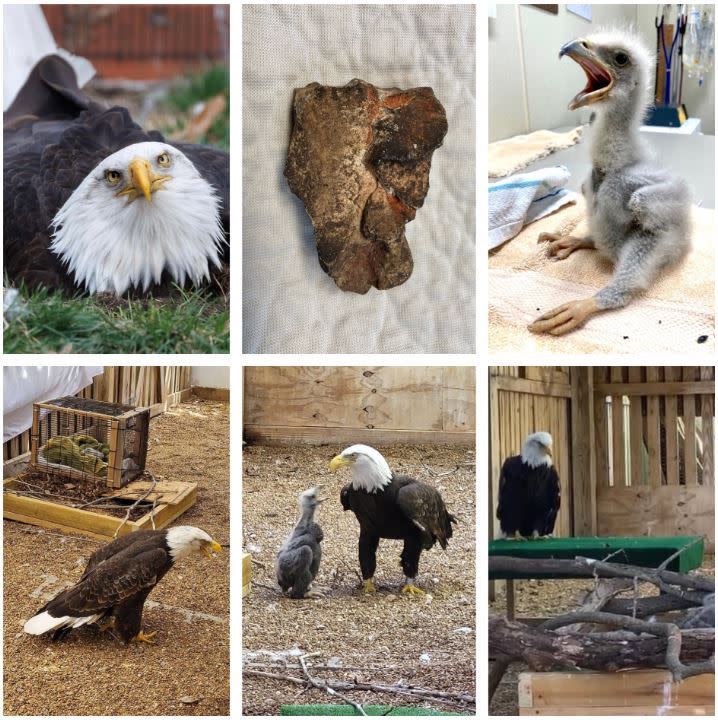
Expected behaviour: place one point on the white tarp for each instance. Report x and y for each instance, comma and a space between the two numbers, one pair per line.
23, 386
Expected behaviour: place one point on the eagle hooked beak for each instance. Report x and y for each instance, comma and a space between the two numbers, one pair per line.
338, 462
599, 79
143, 181
213, 547
548, 450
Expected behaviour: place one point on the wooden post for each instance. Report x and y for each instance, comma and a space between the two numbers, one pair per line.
583, 461
495, 455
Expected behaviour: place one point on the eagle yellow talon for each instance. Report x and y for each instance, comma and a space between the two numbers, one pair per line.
145, 637
412, 590
369, 587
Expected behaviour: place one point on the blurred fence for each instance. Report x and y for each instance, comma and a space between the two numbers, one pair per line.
142, 41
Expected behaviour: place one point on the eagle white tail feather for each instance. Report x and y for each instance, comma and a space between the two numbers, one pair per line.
44, 622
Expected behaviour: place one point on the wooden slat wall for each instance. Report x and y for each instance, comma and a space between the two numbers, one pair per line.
322, 405
144, 386
666, 484
524, 400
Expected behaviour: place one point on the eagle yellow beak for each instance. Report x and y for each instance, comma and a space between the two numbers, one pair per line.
141, 177
338, 462
549, 452
212, 547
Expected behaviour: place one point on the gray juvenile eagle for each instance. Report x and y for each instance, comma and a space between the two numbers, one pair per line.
391, 506
638, 213
116, 582
94, 203
299, 557
529, 490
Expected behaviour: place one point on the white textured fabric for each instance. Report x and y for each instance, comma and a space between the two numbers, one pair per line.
520, 199
290, 305
23, 386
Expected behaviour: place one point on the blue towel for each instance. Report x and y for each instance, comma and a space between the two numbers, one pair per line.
520, 199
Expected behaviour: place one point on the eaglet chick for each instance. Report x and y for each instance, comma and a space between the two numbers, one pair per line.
299, 557
638, 213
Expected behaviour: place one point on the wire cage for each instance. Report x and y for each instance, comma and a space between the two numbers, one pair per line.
88, 440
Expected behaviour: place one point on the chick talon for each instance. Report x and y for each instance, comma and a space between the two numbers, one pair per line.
145, 637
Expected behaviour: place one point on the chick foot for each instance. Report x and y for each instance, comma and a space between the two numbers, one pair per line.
314, 594
565, 318
561, 247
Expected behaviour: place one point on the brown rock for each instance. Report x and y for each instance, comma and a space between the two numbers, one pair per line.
359, 158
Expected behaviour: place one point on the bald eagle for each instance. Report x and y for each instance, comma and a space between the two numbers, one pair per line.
94, 203
116, 582
391, 506
529, 490
299, 557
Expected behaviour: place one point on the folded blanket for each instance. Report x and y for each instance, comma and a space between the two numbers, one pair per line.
676, 314
507, 157
521, 199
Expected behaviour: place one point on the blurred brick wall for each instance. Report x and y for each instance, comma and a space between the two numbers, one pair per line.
142, 42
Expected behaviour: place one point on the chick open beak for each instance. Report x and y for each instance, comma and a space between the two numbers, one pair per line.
599, 79
213, 547
338, 462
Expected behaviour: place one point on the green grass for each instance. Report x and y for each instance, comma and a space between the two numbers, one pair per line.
191, 322
197, 88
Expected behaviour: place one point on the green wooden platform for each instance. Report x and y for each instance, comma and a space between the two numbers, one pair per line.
642, 551
320, 710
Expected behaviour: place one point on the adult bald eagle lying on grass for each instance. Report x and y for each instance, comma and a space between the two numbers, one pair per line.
529, 490
93, 202
116, 582
391, 506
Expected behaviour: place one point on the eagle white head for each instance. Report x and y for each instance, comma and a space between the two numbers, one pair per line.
185, 540
370, 471
143, 210
537, 450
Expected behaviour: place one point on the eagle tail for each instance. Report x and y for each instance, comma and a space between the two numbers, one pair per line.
44, 622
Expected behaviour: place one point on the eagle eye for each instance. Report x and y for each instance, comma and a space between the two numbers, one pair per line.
112, 177
163, 160
621, 59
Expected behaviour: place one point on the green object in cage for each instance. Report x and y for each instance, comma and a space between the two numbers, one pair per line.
66, 451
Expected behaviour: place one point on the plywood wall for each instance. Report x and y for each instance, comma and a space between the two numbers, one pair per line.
321, 405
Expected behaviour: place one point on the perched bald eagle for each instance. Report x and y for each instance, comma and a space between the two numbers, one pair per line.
529, 490
299, 557
116, 582
94, 203
391, 506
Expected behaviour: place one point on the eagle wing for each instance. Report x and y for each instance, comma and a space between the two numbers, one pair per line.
110, 583
425, 507
118, 545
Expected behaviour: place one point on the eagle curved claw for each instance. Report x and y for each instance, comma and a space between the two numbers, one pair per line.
411, 589
145, 637
369, 586
565, 318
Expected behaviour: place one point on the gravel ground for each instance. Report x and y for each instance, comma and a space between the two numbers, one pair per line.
384, 637
545, 598
90, 673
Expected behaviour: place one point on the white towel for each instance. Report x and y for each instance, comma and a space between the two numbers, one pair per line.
520, 199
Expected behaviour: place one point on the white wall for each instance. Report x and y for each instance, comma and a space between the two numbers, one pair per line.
529, 88
210, 377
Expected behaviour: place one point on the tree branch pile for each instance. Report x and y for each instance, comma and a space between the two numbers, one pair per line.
609, 632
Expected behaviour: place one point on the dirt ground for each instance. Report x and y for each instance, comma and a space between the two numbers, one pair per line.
545, 598
387, 637
90, 673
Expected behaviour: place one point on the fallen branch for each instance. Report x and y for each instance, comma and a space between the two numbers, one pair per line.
136, 503
587, 568
545, 650
647, 606
462, 700
322, 685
